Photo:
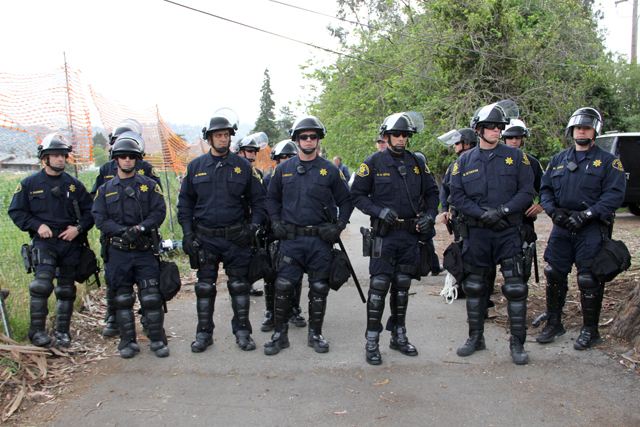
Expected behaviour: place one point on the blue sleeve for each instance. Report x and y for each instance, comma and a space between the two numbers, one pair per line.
524, 194
614, 184
101, 216
19, 209
459, 197
186, 202
430, 193
258, 198
157, 209
362, 187
85, 203
342, 197
274, 196
445, 191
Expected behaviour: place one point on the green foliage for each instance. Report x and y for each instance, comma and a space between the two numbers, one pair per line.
284, 124
99, 140
100, 156
267, 120
456, 59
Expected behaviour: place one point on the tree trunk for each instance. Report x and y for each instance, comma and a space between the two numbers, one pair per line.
626, 324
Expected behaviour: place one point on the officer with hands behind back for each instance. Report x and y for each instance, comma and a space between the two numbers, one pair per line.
217, 188
55, 208
582, 187
397, 191
128, 210
492, 185
300, 192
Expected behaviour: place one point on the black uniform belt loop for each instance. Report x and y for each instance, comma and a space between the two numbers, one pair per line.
308, 231
210, 232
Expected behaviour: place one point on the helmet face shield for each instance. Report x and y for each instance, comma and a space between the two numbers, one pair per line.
450, 138
585, 120
517, 129
408, 121
54, 143
222, 119
285, 148
259, 141
307, 123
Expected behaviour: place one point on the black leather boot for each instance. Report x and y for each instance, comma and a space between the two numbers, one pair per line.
244, 340
372, 349
297, 318
111, 324
128, 346
553, 328
589, 336
519, 356
279, 340
203, 340
400, 342
474, 343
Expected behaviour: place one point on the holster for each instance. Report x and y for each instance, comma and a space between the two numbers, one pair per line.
232, 231
155, 241
367, 241
104, 247
25, 251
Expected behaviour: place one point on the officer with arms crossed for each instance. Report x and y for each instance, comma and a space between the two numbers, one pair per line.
583, 186
47, 205
282, 151
107, 172
216, 187
301, 190
395, 188
128, 209
492, 185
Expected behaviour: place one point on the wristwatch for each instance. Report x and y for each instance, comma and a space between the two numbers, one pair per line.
141, 227
589, 214
79, 228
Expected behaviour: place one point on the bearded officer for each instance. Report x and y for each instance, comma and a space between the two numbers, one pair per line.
215, 190
582, 186
301, 190
492, 185
45, 205
395, 188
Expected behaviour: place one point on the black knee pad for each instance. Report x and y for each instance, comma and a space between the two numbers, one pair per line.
380, 284
66, 290
588, 283
319, 288
474, 285
125, 297
151, 298
42, 284
554, 277
238, 285
402, 281
205, 287
514, 289
284, 285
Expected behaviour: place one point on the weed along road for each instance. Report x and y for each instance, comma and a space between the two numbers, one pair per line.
226, 386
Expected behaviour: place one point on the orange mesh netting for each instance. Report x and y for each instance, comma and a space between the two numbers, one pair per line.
165, 150
39, 104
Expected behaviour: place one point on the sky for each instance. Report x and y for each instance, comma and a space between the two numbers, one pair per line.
143, 53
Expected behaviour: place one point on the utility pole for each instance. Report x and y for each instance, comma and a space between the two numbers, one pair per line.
634, 31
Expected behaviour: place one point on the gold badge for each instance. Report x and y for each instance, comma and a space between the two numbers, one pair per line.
525, 159
617, 164
18, 188
72, 188
455, 170
597, 163
416, 170
144, 188
140, 172
323, 172
364, 170
509, 161
238, 170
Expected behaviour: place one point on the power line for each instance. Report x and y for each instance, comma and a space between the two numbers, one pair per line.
318, 47
431, 41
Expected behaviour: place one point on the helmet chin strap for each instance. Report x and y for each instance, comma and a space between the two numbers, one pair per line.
307, 151
219, 150
128, 170
396, 148
481, 135
57, 169
583, 141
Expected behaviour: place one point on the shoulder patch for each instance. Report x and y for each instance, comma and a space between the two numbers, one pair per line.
96, 196
18, 188
364, 170
617, 164
255, 173
154, 173
158, 190
426, 169
342, 176
455, 170
525, 159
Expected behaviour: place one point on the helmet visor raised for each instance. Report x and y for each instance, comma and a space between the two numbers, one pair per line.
586, 120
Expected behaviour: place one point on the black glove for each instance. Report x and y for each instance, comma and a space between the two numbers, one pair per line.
492, 217
189, 244
246, 235
425, 222
277, 226
559, 216
388, 215
500, 225
330, 232
576, 220
131, 234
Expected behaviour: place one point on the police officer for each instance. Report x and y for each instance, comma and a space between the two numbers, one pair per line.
396, 189
582, 187
129, 209
106, 172
492, 185
282, 151
300, 192
217, 188
55, 209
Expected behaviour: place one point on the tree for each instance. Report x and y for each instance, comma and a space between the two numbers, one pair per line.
287, 118
99, 140
100, 155
267, 120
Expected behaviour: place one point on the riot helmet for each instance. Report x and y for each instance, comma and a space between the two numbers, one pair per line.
307, 123
222, 119
406, 123
421, 155
128, 144
468, 136
516, 128
256, 141
54, 143
283, 150
588, 117
493, 113
127, 125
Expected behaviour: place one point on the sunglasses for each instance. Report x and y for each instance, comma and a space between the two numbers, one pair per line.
457, 143
250, 150
312, 137
126, 156
403, 134
510, 137
288, 156
492, 126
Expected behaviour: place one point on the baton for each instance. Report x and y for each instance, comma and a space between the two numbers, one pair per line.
353, 272
535, 262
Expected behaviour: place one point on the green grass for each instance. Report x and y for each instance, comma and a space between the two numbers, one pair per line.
12, 273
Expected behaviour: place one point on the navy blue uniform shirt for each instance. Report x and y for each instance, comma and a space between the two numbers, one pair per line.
114, 210
300, 198
33, 204
211, 192
501, 178
110, 170
599, 181
445, 191
387, 188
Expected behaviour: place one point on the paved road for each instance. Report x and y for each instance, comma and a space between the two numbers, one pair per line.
226, 386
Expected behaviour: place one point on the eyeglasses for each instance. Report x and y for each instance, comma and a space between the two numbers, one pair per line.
510, 137
403, 134
126, 156
492, 126
287, 156
312, 137
250, 150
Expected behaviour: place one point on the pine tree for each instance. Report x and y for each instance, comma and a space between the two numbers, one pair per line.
267, 120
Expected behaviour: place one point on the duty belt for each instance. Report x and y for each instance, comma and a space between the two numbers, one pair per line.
117, 243
404, 224
210, 232
309, 231
54, 236
513, 219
